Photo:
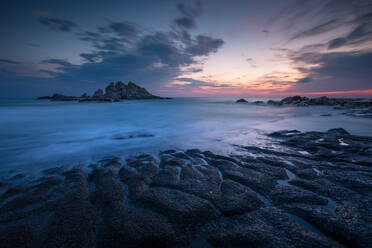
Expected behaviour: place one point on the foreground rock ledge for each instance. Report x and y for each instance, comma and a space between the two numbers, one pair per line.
318, 194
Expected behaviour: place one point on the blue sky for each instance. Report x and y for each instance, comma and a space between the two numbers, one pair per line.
186, 48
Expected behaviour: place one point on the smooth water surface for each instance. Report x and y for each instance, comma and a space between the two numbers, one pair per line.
39, 134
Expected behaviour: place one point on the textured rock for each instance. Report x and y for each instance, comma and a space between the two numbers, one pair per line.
237, 199
180, 207
201, 199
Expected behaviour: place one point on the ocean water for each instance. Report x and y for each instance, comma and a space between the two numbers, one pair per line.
41, 134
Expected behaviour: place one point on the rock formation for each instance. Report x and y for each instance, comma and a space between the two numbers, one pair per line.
314, 193
241, 100
114, 92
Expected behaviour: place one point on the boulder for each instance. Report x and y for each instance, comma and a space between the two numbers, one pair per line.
242, 100
98, 94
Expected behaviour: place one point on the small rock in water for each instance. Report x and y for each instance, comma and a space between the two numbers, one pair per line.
242, 100
337, 131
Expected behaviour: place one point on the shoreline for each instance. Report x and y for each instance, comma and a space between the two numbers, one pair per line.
317, 194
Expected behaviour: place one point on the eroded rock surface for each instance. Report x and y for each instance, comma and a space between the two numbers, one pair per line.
317, 193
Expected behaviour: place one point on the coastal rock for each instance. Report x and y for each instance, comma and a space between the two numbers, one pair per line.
197, 198
98, 94
272, 102
59, 97
241, 100
114, 92
355, 106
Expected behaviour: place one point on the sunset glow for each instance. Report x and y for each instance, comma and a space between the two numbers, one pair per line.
194, 48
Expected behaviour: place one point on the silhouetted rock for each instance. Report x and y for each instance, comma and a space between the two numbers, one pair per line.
354, 106
272, 102
114, 92
59, 97
241, 100
98, 94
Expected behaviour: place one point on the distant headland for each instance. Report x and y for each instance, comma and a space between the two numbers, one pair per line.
114, 92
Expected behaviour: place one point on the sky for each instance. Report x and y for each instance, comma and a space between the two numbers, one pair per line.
187, 48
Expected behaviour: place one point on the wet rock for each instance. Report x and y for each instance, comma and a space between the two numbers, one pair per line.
182, 208
75, 218
111, 161
138, 172
16, 236
350, 234
337, 131
307, 173
167, 177
122, 225
286, 194
267, 227
237, 199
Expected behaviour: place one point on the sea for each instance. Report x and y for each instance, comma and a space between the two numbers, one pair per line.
40, 134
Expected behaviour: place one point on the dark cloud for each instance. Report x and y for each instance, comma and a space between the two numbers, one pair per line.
185, 22
336, 43
112, 39
360, 34
204, 45
153, 60
190, 13
336, 71
318, 29
194, 83
305, 80
125, 29
163, 49
121, 50
8, 61
57, 24
61, 62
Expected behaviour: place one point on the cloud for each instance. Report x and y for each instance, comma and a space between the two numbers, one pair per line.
122, 50
61, 62
251, 62
8, 61
318, 29
162, 48
57, 24
305, 80
336, 43
123, 29
197, 83
204, 45
362, 33
335, 71
185, 22
190, 13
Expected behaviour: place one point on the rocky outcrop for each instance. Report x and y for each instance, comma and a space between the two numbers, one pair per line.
355, 106
59, 97
315, 191
114, 92
241, 100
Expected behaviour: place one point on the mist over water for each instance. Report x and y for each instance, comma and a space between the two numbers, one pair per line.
41, 134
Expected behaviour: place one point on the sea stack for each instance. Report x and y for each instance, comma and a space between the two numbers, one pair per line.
114, 92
